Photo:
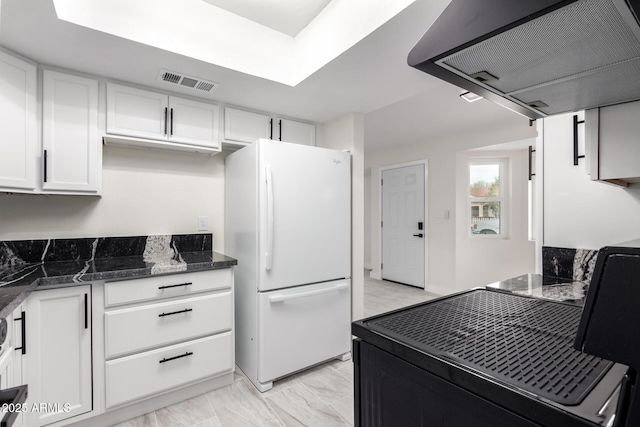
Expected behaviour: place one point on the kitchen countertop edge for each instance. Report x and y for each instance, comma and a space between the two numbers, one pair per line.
14, 295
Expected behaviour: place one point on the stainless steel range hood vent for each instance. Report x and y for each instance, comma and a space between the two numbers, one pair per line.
537, 58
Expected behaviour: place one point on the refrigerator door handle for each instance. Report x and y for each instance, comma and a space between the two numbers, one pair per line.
285, 297
269, 253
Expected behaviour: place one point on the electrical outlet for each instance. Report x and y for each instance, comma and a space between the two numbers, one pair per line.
203, 223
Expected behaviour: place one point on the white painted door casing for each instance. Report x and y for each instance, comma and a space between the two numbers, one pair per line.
403, 243
72, 149
59, 352
18, 123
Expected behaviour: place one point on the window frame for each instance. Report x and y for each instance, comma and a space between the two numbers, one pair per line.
503, 199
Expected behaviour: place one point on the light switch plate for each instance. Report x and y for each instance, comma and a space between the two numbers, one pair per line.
203, 223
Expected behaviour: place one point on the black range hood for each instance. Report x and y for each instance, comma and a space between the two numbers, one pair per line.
537, 58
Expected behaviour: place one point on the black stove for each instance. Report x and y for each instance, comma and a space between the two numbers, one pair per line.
481, 357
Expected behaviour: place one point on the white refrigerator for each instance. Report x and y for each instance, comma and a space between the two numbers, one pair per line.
288, 223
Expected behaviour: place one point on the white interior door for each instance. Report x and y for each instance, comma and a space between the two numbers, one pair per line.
403, 225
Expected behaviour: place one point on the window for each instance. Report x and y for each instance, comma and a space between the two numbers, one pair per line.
487, 197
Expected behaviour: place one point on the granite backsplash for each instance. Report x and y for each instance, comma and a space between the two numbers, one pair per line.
570, 264
15, 253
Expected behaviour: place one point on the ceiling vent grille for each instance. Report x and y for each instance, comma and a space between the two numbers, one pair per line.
187, 81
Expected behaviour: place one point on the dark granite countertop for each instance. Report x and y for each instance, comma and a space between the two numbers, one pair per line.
19, 278
546, 287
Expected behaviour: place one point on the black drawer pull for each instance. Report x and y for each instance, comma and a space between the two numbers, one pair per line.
186, 310
167, 359
175, 286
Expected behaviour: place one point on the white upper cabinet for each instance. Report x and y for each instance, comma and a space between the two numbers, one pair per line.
296, 132
18, 123
144, 114
135, 112
72, 149
612, 143
193, 122
245, 126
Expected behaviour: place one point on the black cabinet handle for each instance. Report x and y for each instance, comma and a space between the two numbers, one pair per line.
86, 311
175, 286
531, 151
576, 157
167, 359
172, 121
186, 310
45, 165
270, 128
418, 235
279, 130
165, 119
23, 332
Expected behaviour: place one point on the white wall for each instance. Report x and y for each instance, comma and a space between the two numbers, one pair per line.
480, 260
441, 155
578, 212
367, 219
347, 133
144, 192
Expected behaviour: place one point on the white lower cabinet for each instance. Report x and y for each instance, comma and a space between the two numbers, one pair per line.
102, 353
148, 373
166, 323
166, 332
58, 356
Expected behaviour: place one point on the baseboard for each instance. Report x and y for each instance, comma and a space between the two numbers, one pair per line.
438, 290
142, 407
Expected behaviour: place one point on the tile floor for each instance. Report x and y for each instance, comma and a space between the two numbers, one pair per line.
321, 396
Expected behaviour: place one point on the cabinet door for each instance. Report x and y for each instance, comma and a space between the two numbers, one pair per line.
246, 127
18, 124
618, 147
135, 112
193, 122
71, 146
296, 132
17, 333
59, 353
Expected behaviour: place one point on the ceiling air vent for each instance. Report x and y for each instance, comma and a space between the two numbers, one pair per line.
187, 81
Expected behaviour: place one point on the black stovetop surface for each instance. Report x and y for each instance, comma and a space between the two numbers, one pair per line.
514, 350
525, 342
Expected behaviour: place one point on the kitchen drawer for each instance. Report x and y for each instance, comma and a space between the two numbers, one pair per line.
144, 374
150, 288
143, 327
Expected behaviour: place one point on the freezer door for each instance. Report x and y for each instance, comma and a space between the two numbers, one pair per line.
305, 214
300, 327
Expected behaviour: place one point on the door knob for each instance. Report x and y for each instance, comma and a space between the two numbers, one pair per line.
418, 235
